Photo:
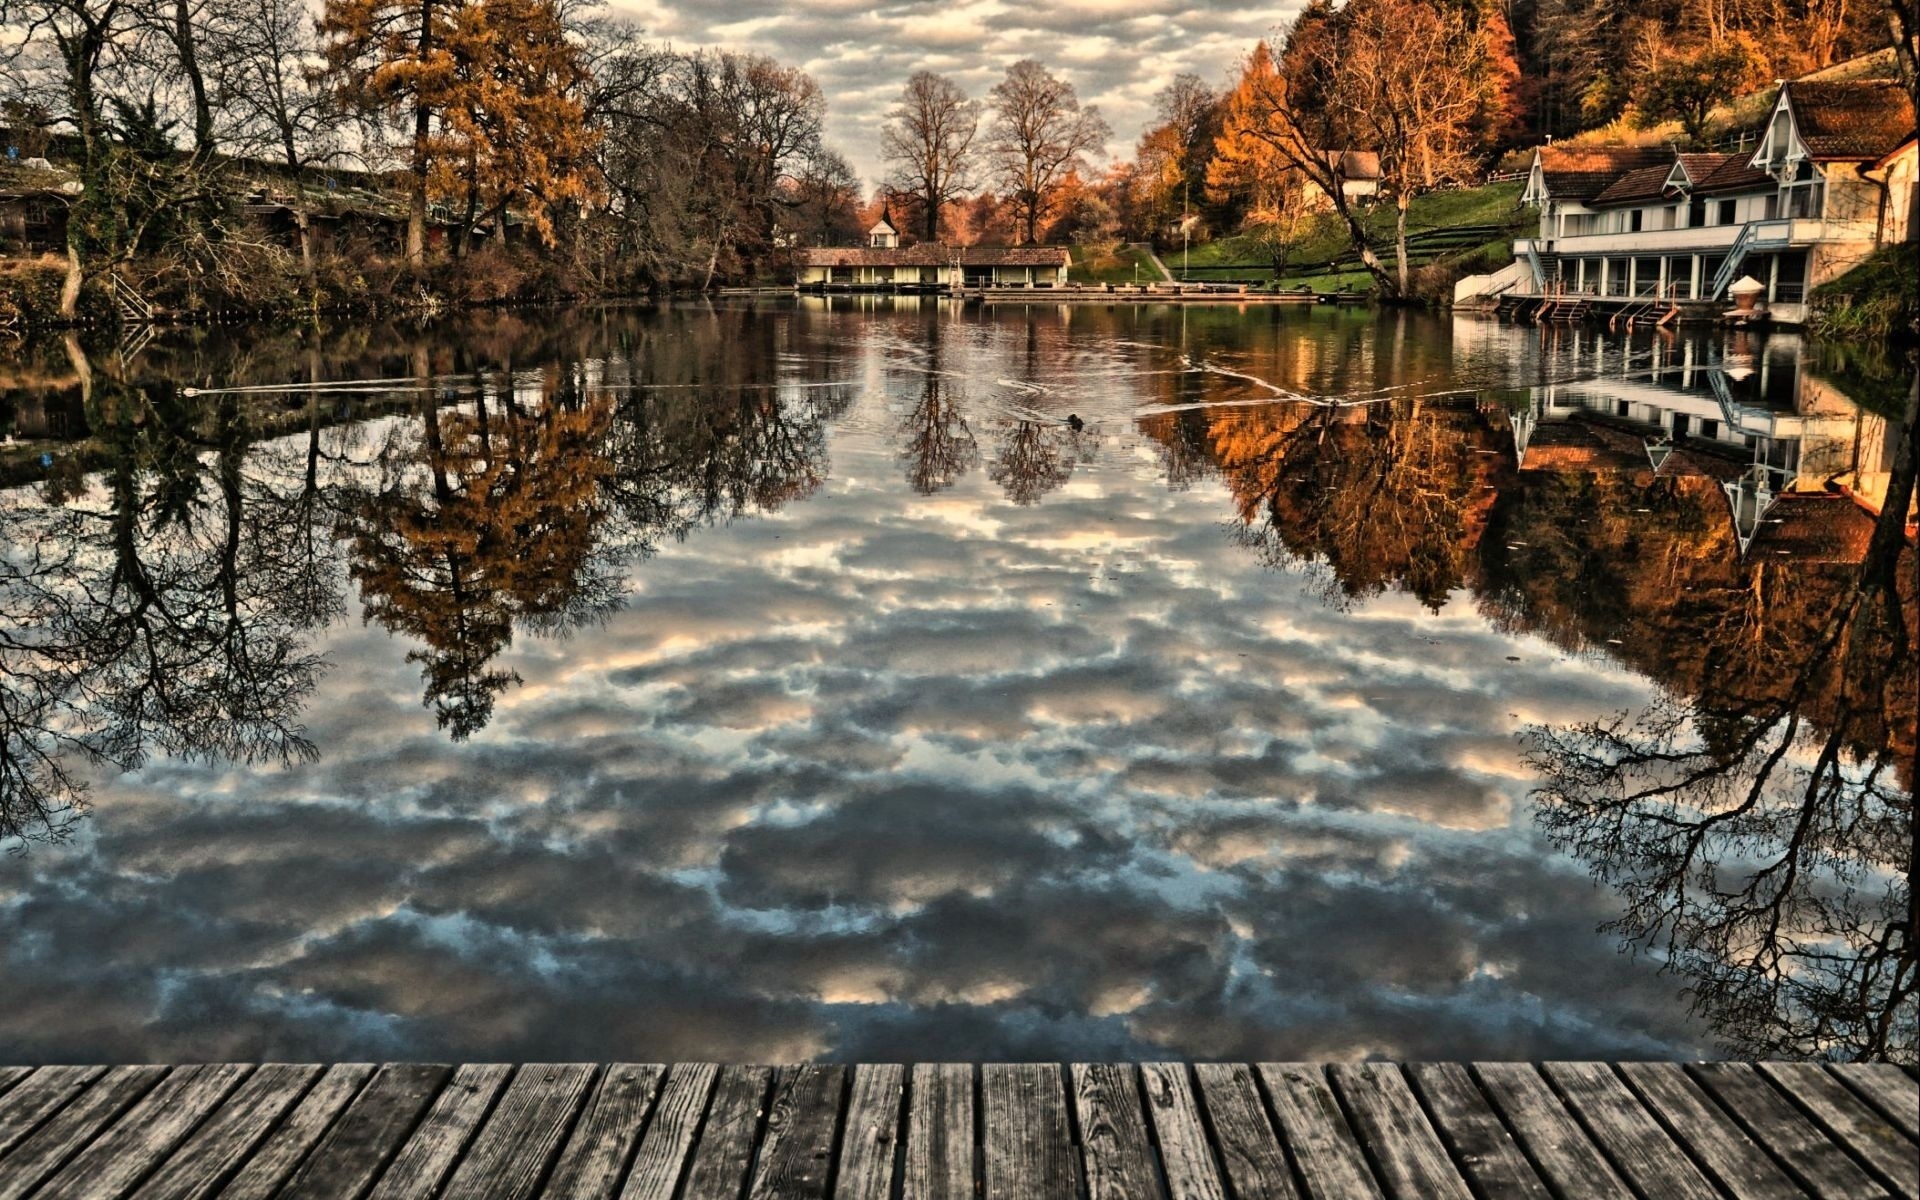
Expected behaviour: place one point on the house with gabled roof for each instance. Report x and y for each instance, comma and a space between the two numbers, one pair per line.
1831, 179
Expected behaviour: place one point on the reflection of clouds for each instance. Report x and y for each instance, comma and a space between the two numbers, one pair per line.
884, 777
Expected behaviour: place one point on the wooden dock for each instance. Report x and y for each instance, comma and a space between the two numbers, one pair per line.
1218, 1131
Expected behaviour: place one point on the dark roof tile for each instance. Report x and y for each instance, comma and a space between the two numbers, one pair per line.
1851, 119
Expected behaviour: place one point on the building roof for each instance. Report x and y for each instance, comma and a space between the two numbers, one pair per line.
1851, 119
883, 225
1643, 183
1815, 527
1356, 165
1583, 172
1736, 173
934, 254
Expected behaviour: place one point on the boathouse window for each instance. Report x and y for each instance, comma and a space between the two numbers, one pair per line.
1726, 212
1696, 212
1635, 220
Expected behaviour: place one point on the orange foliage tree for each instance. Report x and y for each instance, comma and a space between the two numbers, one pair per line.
486, 90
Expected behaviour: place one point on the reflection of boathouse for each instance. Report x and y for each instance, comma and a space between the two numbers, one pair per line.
1803, 467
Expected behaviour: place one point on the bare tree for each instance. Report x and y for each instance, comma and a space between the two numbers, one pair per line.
272, 92
928, 138
1040, 135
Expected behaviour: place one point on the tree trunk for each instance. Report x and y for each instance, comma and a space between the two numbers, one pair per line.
1400, 204
183, 41
422, 126
70, 286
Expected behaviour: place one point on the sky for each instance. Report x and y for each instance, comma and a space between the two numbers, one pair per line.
1117, 53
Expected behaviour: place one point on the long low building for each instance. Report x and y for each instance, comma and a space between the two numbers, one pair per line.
932, 265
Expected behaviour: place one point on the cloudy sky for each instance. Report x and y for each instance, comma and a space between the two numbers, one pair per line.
1117, 53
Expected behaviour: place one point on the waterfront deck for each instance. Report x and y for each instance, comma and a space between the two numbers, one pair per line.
1208, 1132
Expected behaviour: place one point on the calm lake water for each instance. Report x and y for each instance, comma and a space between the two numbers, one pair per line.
882, 680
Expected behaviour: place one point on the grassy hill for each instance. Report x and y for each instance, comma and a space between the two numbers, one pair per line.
1110, 263
1460, 223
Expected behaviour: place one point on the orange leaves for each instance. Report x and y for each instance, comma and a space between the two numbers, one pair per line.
489, 90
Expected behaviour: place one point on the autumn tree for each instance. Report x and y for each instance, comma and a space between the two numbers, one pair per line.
1247, 166
928, 140
823, 198
391, 60
516, 123
1689, 85
1405, 79
1040, 134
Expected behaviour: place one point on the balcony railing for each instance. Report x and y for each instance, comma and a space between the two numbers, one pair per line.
1778, 231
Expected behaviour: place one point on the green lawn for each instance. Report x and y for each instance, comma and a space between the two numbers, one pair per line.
1110, 264
1493, 204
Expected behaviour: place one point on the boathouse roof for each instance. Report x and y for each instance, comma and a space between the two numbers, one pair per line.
935, 254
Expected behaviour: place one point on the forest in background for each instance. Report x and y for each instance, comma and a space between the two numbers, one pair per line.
534, 148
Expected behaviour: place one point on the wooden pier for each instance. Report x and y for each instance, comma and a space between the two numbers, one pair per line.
1218, 1131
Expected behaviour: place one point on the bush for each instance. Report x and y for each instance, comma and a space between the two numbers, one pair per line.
1878, 299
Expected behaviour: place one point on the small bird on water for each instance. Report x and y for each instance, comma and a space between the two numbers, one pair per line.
1075, 423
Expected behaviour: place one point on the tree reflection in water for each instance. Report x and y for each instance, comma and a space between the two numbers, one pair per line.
1756, 819
1764, 848
169, 603
161, 609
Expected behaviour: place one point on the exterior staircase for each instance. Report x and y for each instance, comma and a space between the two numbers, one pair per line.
134, 309
1561, 310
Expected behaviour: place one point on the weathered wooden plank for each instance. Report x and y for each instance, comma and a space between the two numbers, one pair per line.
218, 1146
1628, 1134
288, 1146
1406, 1152
435, 1145
724, 1152
1250, 1151
511, 1152
35, 1099
1893, 1092
1185, 1156
12, 1075
1113, 1133
872, 1133
68, 1131
1314, 1129
1821, 1167
803, 1126
1716, 1140
146, 1133
1029, 1148
595, 1157
1474, 1134
352, 1152
1559, 1147
940, 1121
662, 1157
1889, 1155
